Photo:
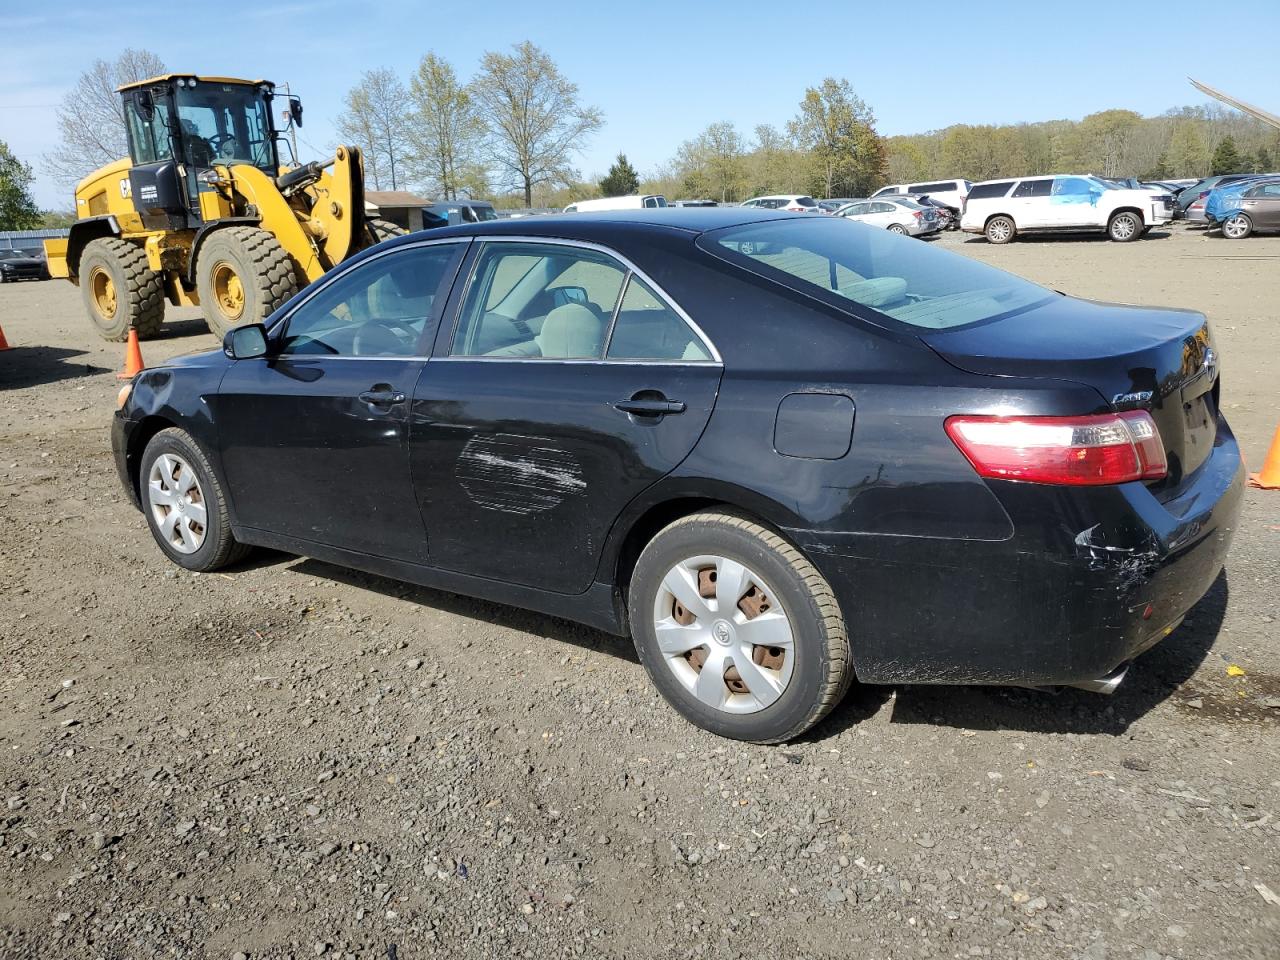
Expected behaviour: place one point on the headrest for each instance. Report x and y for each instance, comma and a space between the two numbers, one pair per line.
571, 330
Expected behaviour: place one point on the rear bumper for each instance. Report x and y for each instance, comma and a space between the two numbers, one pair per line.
1091, 578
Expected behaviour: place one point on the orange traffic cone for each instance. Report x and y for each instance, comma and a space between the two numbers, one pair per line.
4, 344
133, 364
1269, 477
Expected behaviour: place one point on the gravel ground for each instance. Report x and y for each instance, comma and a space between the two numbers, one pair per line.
294, 760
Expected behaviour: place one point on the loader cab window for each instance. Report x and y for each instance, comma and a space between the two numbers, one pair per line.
149, 139
226, 123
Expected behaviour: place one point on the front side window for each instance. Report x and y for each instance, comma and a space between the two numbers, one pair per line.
843, 263
385, 307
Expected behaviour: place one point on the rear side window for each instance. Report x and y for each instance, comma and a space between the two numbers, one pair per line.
1034, 188
986, 191
931, 187
844, 263
648, 329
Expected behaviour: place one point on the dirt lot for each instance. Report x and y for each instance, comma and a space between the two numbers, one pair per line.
292, 760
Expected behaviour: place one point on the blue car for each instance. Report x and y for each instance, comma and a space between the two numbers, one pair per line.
1244, 206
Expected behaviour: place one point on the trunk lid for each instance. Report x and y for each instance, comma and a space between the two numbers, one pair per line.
1160, 360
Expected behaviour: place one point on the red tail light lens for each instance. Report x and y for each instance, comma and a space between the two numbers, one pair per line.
916, 213
1091, 450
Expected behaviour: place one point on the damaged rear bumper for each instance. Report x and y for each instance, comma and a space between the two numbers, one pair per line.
1091, 578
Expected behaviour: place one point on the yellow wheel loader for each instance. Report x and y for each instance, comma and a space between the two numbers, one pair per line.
203, 214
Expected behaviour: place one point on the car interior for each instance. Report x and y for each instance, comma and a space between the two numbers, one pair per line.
565, 305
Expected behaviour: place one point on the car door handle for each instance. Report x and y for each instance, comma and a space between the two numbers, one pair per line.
650, 408
382, 397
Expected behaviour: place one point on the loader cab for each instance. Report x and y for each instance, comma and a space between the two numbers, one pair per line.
179, 127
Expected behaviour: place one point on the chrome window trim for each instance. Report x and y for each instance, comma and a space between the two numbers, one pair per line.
341, 271
596, 248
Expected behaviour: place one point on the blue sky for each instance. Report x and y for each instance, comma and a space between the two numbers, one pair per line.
661, 71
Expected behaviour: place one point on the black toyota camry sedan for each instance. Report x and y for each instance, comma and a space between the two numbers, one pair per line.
779, 452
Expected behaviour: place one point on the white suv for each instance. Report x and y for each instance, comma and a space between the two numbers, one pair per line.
948, 192
1073, 203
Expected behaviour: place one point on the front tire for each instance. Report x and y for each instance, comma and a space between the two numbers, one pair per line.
242, 275
185, 505
1125, 226
737, 630
120, 289
1000, 230
1238, 226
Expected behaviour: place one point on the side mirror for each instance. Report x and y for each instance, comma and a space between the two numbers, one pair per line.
245, 343
295, 111
146, 104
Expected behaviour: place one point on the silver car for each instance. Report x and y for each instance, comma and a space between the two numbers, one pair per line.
895, 214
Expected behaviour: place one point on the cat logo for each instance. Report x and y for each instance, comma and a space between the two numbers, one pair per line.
125, 190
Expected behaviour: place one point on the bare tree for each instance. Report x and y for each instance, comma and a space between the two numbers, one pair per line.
534, 118
376, 119
91, 118
445, 130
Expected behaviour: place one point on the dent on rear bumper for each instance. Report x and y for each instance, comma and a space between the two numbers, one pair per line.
1061, 601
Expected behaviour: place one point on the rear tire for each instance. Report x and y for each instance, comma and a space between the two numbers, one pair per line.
1000, 229
898, 228
120, 290
243, 275
380, 229
1238, 226
801, 670
198, 535
1125, 226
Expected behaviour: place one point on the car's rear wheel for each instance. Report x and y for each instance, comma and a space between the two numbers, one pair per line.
1000, 230
184, 503
1237, 226
898, 229
738, 631
1124, 226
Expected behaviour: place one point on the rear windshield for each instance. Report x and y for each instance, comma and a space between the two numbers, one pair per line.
806, 202
843, 262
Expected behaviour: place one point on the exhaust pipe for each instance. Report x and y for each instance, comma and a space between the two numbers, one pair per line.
1106, 684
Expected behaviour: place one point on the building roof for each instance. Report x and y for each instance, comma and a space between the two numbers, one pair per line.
394, 198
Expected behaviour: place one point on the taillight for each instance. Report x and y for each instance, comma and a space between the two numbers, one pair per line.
916, 213
1090, 450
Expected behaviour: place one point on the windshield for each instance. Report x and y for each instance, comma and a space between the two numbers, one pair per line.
11, 254
842, 262
226, 123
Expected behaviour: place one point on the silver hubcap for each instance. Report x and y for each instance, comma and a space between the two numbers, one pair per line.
177, 503
1123, 228
1235, 226
724, 635
999, 231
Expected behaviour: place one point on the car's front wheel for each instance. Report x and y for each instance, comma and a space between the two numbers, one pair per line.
1237, 227
1000, 230
1124, 226
738, 631
184, 503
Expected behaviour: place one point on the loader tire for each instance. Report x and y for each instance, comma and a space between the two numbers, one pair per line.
242, 275
120, 289
380, 230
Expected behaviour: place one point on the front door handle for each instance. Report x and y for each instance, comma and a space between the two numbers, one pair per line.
650, 408
381, 396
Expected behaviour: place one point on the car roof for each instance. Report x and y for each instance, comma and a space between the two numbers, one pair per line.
585, 226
